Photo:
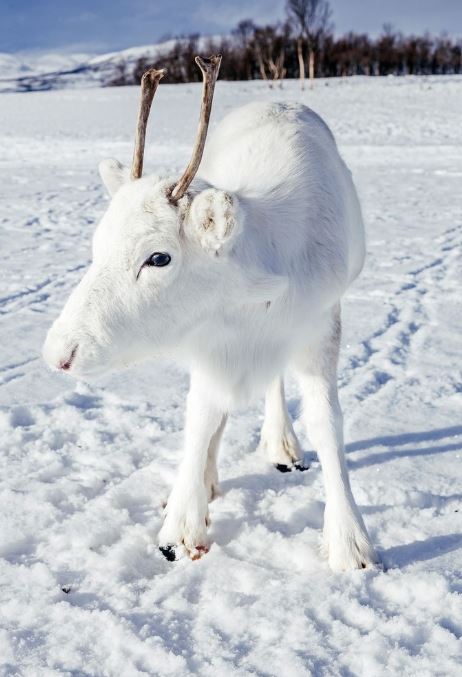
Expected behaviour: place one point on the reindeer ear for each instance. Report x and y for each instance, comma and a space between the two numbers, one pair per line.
113, 175
216, 219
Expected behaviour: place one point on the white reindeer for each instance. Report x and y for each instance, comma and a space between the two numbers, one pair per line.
237, 271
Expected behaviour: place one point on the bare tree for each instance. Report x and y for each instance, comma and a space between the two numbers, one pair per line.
276, 51
243, 36
269, 47
311, 21
297, 13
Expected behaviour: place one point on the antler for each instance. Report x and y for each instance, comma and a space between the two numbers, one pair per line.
209, 68
149, 84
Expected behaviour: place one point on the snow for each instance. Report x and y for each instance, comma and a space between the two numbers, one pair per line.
38, 71
85, 469
23, 72
33, 63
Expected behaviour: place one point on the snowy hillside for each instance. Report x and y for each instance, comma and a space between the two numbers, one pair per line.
27, 64
38, 72
24, 73
84, 470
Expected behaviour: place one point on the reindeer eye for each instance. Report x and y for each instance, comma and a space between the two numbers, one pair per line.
158, 259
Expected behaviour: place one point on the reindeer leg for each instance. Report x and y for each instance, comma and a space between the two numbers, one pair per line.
211, 472
186, 513
278, 438
346, 542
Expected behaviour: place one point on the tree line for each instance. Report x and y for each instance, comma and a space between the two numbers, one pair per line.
304, 42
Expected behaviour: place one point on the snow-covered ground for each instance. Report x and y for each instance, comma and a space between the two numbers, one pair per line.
84, 470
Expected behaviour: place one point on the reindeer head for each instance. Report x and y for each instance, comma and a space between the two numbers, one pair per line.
162, 261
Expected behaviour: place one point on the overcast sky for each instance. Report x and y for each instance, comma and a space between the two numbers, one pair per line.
103, 25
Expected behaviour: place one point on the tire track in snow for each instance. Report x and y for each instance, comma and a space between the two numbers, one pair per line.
55, 223
34, 295
386, 351
9, 372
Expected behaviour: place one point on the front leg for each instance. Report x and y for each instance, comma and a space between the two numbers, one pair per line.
186, 513
346, 542
211, 473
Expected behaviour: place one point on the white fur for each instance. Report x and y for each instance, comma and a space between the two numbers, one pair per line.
278, 439
263, 246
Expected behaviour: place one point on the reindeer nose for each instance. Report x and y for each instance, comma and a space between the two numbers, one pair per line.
66, 364
59, 350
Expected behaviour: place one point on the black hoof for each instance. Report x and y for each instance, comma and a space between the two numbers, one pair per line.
168, 552
300, 465
283, 468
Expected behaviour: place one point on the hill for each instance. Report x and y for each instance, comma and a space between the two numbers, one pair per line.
32, 72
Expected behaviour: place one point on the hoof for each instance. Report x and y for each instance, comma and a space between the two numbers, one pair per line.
198, 552
298, 465
301, 466
283, 468
169, 552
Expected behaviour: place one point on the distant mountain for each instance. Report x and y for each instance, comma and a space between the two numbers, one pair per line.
28, 72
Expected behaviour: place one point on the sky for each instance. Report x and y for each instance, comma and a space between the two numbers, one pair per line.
105, 25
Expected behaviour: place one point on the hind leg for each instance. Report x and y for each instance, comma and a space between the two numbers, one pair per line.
278, 438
